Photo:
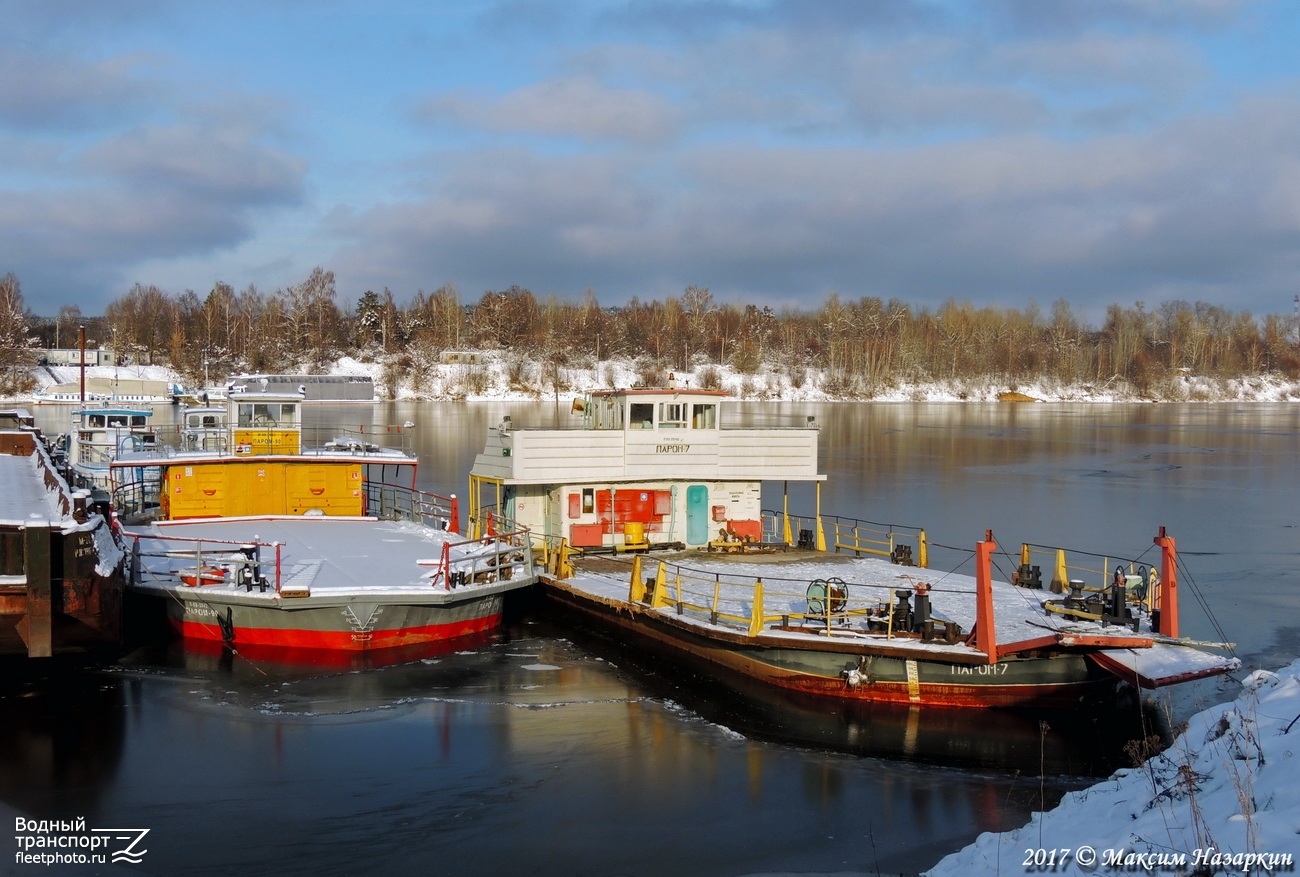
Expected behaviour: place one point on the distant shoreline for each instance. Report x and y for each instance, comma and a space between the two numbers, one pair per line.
498, 378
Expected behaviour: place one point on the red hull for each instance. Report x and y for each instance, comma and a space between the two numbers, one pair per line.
308, 660
1060, 683
345, 640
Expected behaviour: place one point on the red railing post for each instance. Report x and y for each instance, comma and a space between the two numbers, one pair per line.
454, 526
446, 565
985, 640
1168, 594
277, 567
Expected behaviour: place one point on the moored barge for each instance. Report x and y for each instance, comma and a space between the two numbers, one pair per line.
657, 469
256, 540
60, 563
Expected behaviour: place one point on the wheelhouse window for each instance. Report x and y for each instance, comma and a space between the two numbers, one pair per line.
704, 417
641, 415
267, 414
672, 415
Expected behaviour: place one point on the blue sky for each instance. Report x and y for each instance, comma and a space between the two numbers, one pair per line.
1004, 153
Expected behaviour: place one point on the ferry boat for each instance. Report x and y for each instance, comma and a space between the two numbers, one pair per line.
259, 541
112, 390
862, 617
646, 468
98, 436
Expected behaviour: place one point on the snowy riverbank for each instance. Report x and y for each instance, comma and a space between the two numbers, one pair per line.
499, 376
1222, 799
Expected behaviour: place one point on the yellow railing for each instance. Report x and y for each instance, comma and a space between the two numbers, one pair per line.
743, 602
1082, 571
857, 536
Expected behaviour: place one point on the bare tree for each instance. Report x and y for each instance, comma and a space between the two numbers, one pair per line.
17, 354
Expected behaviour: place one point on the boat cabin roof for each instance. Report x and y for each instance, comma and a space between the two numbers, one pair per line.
659, 391
238, 395
120, 412
650, 408
200, 413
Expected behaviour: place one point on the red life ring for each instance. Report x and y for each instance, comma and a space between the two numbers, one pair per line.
209, 575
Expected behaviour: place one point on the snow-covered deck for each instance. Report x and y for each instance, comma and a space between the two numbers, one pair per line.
1019, 613
25, 497
324, 556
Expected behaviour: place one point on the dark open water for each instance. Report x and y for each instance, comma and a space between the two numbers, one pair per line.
547, 750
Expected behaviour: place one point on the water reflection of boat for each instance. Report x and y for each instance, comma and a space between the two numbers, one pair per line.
259, 662
1033, 742
657, 469
62, 736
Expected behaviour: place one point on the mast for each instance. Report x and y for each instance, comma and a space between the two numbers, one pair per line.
81, 337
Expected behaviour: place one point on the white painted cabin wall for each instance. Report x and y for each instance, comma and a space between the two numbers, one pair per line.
562, 456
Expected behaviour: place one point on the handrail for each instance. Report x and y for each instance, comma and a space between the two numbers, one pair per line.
1068, 574
741, 601
853, 534
494, 557
200, 569
389, 501
398, 502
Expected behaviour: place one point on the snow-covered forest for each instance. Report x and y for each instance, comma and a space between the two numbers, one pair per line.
536, 347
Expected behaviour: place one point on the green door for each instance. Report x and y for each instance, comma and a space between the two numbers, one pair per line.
697, 514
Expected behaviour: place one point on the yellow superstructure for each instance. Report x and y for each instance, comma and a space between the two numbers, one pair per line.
267, 441
238, 488
267, 424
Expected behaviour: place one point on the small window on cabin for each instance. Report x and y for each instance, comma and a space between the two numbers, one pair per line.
642, 415
137, 420
588, 500
209, 420
97, 420
609, 415
705, 417
287, 413
672, 415
245, 414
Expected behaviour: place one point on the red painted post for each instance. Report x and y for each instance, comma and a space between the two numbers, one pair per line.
454, 526
985, 639
1168, 585
446, 565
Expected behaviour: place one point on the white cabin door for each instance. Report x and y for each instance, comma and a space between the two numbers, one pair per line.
697, 514
553, 523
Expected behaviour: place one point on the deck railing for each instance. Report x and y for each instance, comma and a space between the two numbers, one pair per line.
899, 542
1083, 572
396, 503
501, 557
135, 498
219, 554
747, 603
387, 501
